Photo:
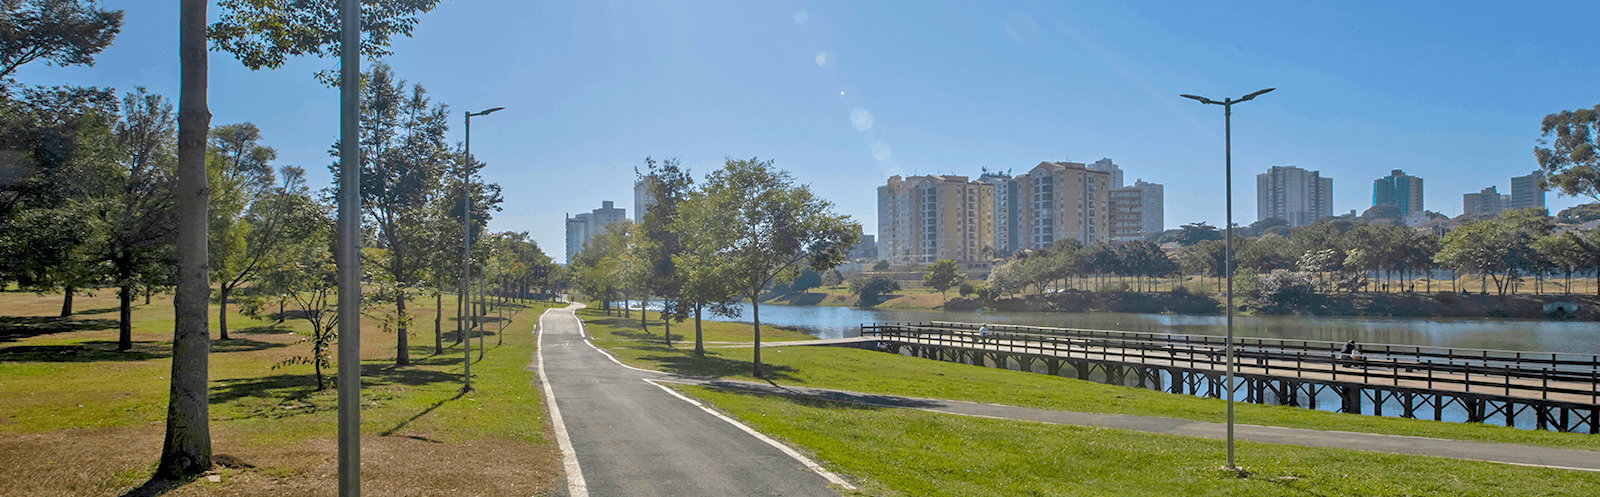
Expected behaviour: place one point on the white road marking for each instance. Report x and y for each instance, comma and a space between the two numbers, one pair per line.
576, 487
813, 466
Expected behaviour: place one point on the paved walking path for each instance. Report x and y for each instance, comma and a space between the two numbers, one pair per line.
624, 436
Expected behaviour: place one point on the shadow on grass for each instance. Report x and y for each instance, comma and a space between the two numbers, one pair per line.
828, 400
713, 366
290, 391
13, 328
157, 486
419, 415
106, 351
101, 310
271, 329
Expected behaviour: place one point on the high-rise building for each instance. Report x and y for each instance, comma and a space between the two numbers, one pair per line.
585, 226
1295, 195
641, 197
1064, 200
1525, 191
1108, 167
1484, 203
1400, 190
1127, 214
922, 219
1006, 213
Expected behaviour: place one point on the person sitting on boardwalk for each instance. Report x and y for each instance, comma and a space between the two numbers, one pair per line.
983, 333
1349, 352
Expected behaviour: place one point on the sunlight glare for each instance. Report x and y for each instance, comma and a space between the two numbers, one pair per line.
801, 17
825, 60
860, 119
880, 152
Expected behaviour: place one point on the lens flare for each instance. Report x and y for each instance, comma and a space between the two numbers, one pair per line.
861, 119
825, 60
881, 152
801, 17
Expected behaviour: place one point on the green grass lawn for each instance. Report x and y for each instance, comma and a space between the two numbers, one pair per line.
61, 377
917, 453
882, 373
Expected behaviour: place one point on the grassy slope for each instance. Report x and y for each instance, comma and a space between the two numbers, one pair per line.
907, 452
259, 412
877, 372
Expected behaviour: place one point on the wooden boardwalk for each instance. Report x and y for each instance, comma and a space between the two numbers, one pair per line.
1560, 390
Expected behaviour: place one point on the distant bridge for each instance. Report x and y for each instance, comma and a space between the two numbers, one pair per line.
1558, 391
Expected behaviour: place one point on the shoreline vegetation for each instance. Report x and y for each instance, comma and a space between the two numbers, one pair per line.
1185, 301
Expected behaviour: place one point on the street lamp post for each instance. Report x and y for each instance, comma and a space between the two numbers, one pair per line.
1227, 265
466, 247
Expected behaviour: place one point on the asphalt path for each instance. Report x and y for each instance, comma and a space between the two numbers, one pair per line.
626, 436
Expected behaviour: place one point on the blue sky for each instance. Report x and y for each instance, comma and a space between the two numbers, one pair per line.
1451, 92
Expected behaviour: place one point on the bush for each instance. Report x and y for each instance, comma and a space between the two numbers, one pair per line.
1285, 288
870, 289
966, 289
881, 265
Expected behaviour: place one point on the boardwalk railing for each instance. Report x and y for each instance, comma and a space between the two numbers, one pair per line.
1554, 379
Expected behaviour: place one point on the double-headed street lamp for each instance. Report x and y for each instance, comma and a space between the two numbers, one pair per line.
1227, 265
466, 247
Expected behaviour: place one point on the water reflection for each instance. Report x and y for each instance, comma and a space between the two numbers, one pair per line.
1506, 334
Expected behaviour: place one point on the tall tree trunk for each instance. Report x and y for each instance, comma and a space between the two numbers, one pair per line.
66, 301
186, 449
666, 324
222, 312
461, 316
755, 314
644, 325
402, 353
699, 344
125, 318
438, 323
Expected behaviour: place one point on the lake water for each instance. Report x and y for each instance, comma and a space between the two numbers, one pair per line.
1576, 337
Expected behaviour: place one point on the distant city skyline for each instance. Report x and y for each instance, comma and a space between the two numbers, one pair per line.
845, 94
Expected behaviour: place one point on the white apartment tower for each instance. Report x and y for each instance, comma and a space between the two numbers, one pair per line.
1295, 195
585, 226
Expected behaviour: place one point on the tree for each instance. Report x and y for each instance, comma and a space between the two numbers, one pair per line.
1190, 234
63, 32
265, 33
870, 290
1571, 163
943, 275
245, 212
187, 447
132, 210
881, 265
404, 155
667, 186
309, 278
1568, 253
763, 226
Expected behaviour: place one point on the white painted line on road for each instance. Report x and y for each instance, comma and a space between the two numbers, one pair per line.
828, 475
576, 487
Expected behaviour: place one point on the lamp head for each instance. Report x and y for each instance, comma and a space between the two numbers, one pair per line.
1201, 99
483, 113
1255, 94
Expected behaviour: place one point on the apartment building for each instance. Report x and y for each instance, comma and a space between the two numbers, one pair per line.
1525, 191
1293, 194
585, 226
1137, 211
1007, 239
1484, 203
922, 219
1064, 200
1400, 190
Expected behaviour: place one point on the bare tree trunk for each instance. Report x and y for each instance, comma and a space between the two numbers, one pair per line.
699, 345
186, 449
125, 318
66, 302
402, 354
438, 323
755, 313
222, 313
